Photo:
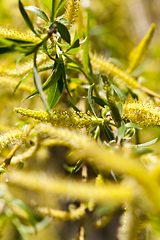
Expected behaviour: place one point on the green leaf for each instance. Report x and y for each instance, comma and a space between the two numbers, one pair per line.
22, 80
74, 169
2, 170
107, 132
73, 106
55, 92
85, 50
47, 3
135, 96
52, 10
62, 20
38, 12
99, 101
129, 133
120, 108
75, 45
121, 131
60, 5
65, 35
65, 80
38, 84
90, 90
141, 151
147, 143
26, 18
119, 92
12, 45
132, 125
53, 78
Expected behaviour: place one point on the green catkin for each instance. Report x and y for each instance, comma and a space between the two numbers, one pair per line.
140, 52
142, 113
62, 118
111, 101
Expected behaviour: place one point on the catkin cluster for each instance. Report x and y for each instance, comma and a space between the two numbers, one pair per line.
142, 113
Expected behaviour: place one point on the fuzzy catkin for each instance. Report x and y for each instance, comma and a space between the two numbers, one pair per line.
10, 83
61, 118
63, 215
12, 33
72, 7
11, 137
23, 68
142, 113
101, 64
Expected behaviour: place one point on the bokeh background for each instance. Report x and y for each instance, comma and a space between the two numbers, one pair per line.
116, 27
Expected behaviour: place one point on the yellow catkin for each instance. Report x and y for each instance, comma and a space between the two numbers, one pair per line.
12, 33
25, 155
129, 224
112, 193
61, 118
73, 215
23, 68
142, 113
10, 83
55, 141
71, 12
140, 52
102, 65
105, 160
11, 137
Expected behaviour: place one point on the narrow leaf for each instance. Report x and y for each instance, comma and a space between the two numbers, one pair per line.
132, 125
99, 101
65, 35
107, 132
55, 92
2, 170
121, 131
119, 92
26, 17
90, 90
53, 78
60, 5
52, 10
47, 3
147, 143
40, 13
65, 80
73, 106
85, 50
38, 84
75, 44
120, 108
